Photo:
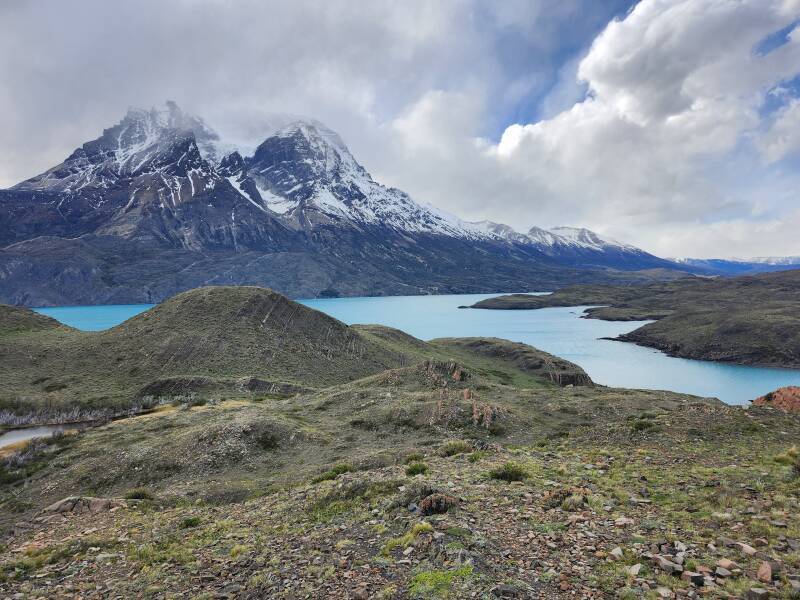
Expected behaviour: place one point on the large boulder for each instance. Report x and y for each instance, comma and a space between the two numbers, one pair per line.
786, 399
79, 505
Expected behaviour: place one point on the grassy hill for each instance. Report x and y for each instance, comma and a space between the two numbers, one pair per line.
382, 467
208, 343
748, 320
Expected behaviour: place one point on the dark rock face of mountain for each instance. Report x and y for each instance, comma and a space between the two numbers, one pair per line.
155, 206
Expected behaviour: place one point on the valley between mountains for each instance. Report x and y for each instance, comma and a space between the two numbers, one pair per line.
242, 445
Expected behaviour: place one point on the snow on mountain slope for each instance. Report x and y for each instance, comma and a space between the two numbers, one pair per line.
305, 173
556, 239
301, 175
584, 238
149, 156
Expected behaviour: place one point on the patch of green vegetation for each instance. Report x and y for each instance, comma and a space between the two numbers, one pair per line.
406, 540
417, 468
460, 532
454, 447
438, 584
788, 458
332, 473
325, 513
189, 522
169, 549
643, 425
414, 457
477, 456
238, 550
509, 471
35, 558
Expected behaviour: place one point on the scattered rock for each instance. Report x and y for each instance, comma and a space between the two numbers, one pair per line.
667, 565
506, 591
764, 574
722, 572
697, 579
745, 548
79, 505
634, 500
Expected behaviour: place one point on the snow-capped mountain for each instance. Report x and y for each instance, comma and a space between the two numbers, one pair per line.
571, 245
159, 203
574, 237
306, 174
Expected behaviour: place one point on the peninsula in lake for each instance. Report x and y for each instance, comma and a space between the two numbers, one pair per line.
749, 320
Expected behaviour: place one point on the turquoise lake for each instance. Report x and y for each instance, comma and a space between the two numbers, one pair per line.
559, 331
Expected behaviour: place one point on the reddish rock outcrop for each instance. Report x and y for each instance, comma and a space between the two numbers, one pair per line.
786, 399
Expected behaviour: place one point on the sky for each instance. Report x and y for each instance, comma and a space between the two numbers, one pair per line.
673, 125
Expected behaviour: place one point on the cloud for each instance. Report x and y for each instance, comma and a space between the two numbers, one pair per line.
662, 145
649, 126
783, 135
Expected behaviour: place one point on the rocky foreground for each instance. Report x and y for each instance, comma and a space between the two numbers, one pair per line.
650, 510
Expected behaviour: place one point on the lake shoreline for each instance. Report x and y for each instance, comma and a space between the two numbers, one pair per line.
566, 332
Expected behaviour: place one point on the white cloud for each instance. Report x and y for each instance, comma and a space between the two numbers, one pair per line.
783, 136
648, 156
669, 150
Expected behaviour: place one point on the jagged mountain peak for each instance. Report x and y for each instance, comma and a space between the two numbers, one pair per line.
310, 150
581, 236
164, 141
153, 122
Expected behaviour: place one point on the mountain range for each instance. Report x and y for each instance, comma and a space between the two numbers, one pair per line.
159, 203
740, 266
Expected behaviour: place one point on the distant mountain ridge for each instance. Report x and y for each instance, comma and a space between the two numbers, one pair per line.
159, 203
741, 266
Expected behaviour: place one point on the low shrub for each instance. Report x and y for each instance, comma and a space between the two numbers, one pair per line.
437, 504
476, 456
189, 522
417, 468
406, 540
139, 494
454, 447
642, 425
510, 471
573, 503
414, 457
